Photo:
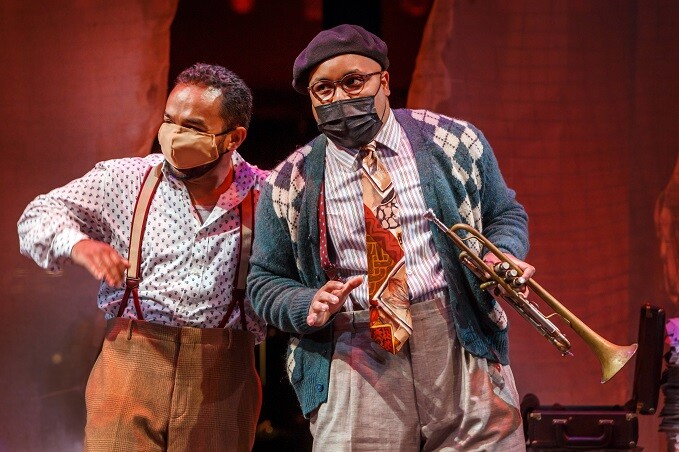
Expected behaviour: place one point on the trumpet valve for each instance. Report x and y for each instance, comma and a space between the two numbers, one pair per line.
518, 282
501, 268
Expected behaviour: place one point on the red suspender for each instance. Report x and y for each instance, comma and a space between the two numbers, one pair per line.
141, 211
325, 245
247, 213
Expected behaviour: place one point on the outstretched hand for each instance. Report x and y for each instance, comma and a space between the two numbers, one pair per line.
329, 299
101, 260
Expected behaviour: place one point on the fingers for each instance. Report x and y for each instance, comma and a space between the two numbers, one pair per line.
109, 266
348, 286
318, 313
113, 267
101, 260
329, 299
528, 270
320, 309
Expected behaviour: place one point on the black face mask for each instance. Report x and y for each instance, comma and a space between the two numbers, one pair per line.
351, 123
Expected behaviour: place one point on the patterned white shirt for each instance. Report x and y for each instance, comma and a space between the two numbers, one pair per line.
346, 220
187, 265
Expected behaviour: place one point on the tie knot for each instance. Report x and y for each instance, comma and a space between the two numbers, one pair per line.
368, 158
370, 147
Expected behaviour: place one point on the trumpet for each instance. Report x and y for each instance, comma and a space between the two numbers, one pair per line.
504, 281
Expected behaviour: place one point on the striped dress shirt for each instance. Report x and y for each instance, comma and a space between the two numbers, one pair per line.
346, 221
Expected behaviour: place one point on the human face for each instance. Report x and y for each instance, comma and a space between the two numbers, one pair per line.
341, 65
198, 108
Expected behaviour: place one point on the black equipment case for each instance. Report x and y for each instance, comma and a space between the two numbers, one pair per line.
602, 428
586, 427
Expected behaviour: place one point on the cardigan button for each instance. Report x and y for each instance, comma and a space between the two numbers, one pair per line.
320, 387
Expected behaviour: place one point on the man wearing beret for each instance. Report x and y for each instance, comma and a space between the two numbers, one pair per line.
394, 345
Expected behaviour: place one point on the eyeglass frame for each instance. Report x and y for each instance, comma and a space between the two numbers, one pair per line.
334, 83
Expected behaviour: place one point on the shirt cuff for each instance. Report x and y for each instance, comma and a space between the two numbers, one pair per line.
64, 241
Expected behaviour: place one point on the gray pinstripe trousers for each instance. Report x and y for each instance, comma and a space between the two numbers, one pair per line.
432, 395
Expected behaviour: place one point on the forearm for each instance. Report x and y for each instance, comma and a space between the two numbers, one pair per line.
507, 228
275, 285
47, 233
281, 302
52, 223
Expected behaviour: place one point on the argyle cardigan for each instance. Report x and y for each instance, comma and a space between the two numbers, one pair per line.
461, 182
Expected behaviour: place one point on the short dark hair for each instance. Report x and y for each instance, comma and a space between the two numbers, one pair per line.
236, 96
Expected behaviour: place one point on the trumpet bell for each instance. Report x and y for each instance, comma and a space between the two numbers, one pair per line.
612, 357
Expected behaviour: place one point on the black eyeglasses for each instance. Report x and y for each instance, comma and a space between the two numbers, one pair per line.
352, 84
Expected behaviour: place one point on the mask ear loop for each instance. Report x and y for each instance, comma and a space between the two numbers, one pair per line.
385, 104
229, 148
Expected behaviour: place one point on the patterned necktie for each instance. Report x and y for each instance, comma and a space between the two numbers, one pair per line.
390, 319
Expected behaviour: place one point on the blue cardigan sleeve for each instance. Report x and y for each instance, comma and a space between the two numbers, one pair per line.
274, 284
505, 222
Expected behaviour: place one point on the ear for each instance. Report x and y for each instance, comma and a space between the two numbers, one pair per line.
384, 80
236, 138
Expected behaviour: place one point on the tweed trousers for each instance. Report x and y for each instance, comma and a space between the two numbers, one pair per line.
162, 388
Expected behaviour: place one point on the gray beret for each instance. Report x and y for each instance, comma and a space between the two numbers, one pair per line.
339, 40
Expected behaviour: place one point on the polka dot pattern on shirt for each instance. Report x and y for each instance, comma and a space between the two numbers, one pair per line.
187, 266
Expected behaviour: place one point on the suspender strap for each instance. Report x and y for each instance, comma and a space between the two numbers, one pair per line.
141, 211
327, 251
246, 210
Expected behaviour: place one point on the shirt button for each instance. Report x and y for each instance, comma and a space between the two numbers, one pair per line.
319, 387
409, 272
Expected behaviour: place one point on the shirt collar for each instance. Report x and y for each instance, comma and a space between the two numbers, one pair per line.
243, 181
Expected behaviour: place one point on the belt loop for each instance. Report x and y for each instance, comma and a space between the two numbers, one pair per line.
129, 330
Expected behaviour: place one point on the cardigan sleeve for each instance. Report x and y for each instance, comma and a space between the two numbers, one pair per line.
505, 222
274, 285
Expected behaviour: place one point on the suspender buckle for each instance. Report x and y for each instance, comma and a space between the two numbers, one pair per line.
331, 271
132, 283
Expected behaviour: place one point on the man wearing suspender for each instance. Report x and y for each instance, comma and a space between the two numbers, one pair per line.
169, 237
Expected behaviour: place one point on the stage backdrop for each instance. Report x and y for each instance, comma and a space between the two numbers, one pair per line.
80, 82
579, 100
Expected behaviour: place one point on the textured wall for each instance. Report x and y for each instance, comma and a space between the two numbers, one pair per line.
81, 82
579, 99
